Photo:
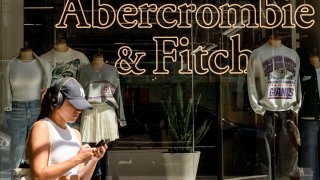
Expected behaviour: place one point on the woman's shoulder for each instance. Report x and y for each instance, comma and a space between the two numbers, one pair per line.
40, 125
39, 132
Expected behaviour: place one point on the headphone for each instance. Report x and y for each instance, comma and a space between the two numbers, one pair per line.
55, 97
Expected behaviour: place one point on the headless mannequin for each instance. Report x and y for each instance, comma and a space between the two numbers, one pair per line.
274, 41
61, 46
314, 60
26, 54
97, 62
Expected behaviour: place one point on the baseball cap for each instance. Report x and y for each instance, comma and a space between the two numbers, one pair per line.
74, 93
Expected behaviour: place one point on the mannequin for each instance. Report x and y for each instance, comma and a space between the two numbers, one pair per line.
97, 64
26, 75
26, 54
310, 116
64, 60
102, 88
274, 92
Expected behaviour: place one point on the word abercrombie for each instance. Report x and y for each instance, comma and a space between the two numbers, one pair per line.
206, 16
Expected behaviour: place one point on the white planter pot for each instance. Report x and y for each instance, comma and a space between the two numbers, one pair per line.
181, 166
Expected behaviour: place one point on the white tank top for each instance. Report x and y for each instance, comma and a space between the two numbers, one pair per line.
64, 145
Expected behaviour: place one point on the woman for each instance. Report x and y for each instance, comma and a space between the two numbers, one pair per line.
54, 148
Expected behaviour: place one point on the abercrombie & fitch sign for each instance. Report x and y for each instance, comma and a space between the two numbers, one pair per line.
206, 16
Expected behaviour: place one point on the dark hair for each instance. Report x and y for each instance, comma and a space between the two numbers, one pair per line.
45, 105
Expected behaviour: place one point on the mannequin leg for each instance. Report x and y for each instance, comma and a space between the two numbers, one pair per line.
269, 119
287, 165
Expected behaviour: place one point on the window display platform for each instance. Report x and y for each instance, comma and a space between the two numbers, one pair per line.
148, 165
7, 176
262, 177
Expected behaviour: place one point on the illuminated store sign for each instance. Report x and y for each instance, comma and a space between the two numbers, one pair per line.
207, 16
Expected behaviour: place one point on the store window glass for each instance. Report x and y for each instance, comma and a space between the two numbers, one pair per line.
231, 86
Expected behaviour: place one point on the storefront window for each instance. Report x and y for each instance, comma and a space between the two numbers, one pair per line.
233, 82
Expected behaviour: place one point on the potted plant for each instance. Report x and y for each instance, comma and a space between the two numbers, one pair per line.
183, 136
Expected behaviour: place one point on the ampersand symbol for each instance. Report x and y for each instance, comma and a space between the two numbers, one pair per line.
126, 65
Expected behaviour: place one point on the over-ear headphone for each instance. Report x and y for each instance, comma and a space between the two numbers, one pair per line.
55, 97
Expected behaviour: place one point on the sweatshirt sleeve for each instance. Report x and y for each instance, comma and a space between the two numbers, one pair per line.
252, 79
8, 98
298, 103
84, 79
83, 59
120, 110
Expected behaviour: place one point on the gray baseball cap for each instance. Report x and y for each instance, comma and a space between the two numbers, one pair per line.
72, 90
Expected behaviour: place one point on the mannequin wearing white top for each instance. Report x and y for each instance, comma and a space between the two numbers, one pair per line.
26, 75
273, 68
65, 61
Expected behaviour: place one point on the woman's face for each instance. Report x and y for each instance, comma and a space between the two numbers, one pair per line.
68, 112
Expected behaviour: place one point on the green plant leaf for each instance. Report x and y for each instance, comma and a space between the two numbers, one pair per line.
180, 101
202, 131
186, 119
179, 117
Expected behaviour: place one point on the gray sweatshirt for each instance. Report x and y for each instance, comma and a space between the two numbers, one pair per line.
103, 87
273, 79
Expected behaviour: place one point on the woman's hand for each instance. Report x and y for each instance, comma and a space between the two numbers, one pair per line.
100, 151
87, 171
86, 153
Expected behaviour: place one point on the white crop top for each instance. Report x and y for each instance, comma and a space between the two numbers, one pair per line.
64, 145
25, 80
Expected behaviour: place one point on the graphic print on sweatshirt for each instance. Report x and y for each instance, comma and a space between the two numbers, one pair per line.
279, 73
69, 69
102, 91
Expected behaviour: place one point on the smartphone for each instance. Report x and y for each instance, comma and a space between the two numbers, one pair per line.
102, 142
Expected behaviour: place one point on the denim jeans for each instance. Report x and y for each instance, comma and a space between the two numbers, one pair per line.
19, 121
4, 151
284, 154
309, 145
